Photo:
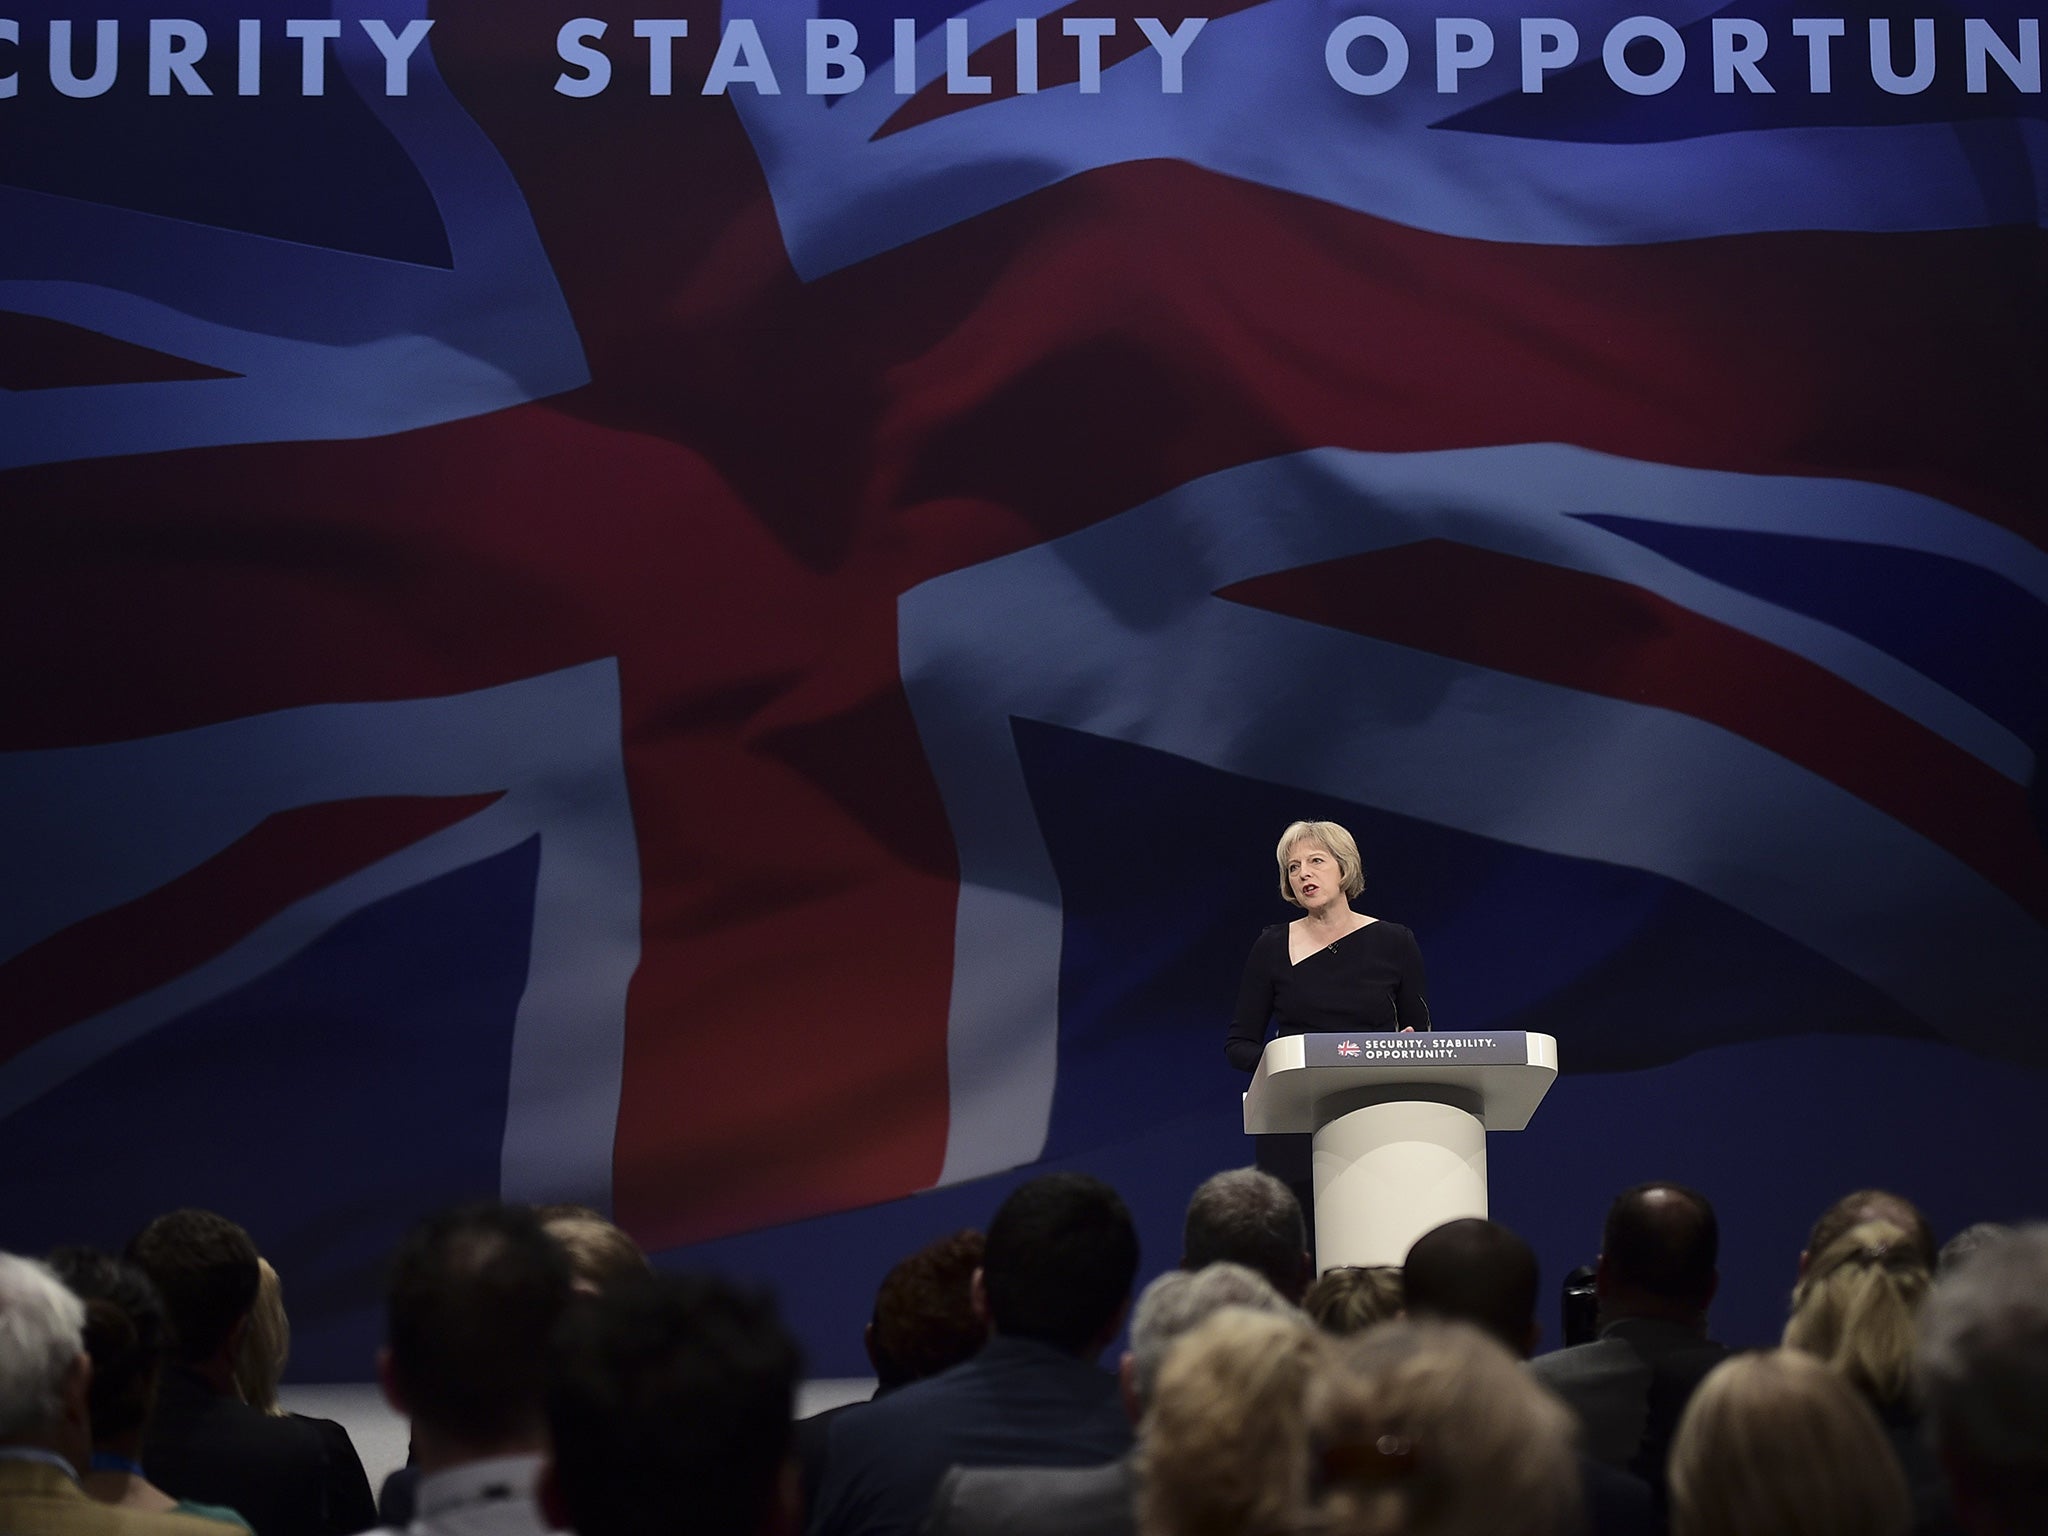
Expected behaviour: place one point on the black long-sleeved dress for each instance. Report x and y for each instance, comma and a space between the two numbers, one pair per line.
1368, 980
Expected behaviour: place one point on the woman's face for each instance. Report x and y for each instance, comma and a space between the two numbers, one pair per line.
1313, 875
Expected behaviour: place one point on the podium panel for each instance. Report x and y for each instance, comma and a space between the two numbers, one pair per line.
1400, 1125
1388, 1173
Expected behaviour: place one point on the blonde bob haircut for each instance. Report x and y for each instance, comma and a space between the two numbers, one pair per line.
1425, 1428
1776, 1441
1223, 1449
1351, 1299
1330, 836
1858, 1307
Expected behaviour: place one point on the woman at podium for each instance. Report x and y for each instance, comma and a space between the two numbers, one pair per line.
1331, 970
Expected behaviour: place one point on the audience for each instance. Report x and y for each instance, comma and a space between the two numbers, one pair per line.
1426, 1428
266, 1345
1968, 1241
128, 1338
1224, 1450
1478, 1272
1655, 1278
46, 1418
1862, 1205
1054, 1285
1856, 1308
1173, 1306
1099, 1501
600, 1253
924, 1320
668, 1405
473, 1297
1776, 1444
1855, 1305
923, 1323
1983, 1365
1352, 1298
285, 1476
1244, 1216
554, 1381
260, 1362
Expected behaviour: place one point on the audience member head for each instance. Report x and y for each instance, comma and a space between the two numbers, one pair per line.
1478, 1272
1972, 1239
924, 1320
1060, 1257
128, 1337
1862, 1205
553, 1211
1244, 1216
1351, 1299
474, 1294
600, 1253
1775, 1442
1427, 1428
1223, 1449
1658, 1254
1855, 1308
45, 1374
1175, 1304
1984, 1381
266, 1344
207, 1271
669, 1401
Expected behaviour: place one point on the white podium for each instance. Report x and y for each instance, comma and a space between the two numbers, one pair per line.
1400, 1125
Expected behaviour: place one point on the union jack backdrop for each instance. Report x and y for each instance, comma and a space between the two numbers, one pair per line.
715, 614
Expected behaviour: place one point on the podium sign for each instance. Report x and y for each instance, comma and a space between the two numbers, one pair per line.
1400, 1125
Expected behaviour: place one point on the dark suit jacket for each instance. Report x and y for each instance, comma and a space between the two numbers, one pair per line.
398, 1497
1616, 1503
287, 1476
1017, 1403
1628, 1388
1037, 1501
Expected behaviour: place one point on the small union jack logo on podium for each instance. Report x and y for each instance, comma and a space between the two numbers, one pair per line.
1347, 1047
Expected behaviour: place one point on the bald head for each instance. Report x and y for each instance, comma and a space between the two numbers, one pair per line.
1658, 1254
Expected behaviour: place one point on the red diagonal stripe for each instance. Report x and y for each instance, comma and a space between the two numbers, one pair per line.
162, 935
1604, 636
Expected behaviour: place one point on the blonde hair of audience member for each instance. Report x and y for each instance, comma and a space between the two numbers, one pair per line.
600, 1254
266, 1344
1222, 1451
1341, 845
1428, 1428
1857, 1306
1350, 1300
1777, 1444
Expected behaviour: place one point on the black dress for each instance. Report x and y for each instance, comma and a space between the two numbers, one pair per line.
1368, 980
